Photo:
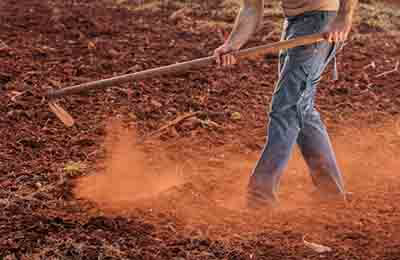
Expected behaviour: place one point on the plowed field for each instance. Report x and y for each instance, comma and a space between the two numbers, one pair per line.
115, 186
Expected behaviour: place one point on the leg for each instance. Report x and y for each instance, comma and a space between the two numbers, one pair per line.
317, 150
292, 99
276, 152
313, 138
282, 134
283, 130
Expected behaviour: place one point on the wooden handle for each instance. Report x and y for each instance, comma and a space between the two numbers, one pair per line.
275, 47
180, 67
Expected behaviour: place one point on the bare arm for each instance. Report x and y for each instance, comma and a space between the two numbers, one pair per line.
247, 22
339, 29
347, 7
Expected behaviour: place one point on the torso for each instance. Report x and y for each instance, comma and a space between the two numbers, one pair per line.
297, 7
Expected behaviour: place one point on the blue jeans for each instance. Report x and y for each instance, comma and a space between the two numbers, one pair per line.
293, 117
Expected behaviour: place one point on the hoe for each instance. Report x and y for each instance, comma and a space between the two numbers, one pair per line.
67, 119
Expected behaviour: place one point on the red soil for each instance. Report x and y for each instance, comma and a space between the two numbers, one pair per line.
179, 195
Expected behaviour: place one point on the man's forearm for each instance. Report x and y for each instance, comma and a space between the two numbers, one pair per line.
247, 22
346, 9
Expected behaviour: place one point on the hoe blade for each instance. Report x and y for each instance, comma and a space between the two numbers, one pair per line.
63, 115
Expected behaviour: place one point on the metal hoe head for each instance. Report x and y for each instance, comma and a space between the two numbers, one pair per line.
63, 115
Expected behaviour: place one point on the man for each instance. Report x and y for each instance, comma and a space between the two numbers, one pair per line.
292, 116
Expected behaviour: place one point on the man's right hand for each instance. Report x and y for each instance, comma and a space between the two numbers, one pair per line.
224, 56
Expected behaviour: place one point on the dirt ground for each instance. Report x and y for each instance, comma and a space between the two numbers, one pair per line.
114, 187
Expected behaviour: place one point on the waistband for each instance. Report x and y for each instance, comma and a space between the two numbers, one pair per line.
309, 13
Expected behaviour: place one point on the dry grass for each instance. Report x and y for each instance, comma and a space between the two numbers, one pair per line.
74, 167
141, 5
147, 6
213, 23
373, 14
379, 15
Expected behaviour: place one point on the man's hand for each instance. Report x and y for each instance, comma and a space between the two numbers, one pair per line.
224, 56
247, 22
338, 30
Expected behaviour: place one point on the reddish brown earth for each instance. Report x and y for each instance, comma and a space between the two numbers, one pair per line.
179, 194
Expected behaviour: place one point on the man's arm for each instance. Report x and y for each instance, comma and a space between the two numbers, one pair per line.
247, 22
339, 29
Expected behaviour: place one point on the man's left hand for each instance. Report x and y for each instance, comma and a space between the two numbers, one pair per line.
338, 30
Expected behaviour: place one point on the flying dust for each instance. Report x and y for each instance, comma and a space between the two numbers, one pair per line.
367, 157
127, 174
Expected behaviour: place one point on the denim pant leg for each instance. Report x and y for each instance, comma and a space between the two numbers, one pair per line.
313, 139
317, 151
283, 130
293, 116
315, 145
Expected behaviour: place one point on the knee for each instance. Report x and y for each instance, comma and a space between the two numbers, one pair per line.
284, 101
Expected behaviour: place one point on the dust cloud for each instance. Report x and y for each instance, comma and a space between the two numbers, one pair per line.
127, 174
215, 196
